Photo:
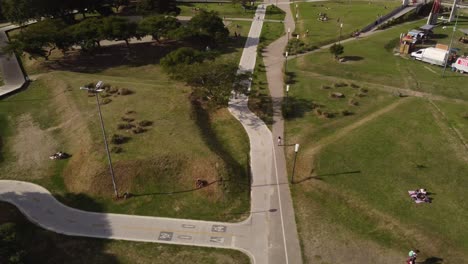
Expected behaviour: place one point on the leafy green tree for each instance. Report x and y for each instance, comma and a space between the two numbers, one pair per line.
40, 39
214, 81
17, 11
118, 28
87, 33
185, 56
158, 26
336, 50
157, 6
207, 27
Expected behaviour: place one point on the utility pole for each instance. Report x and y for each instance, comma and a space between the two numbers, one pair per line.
96, 91
450, 46
296, 149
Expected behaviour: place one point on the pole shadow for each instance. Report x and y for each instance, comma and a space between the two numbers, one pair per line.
319, 177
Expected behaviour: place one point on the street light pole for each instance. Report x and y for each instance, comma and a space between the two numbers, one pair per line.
111, 168
286, 65
341, 28
296, 149
287, 91
450, 46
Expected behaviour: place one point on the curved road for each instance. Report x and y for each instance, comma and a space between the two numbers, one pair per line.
10, 69
268, 236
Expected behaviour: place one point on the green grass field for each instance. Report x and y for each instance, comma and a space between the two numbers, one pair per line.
41, 244
273, 12
354, 15
227, 10
354, 171
372, 60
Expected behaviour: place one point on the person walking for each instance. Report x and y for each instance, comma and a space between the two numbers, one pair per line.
279, 141
412, 255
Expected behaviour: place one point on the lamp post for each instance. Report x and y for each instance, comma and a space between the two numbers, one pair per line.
296, 149
96, 91
450, 46
341, 28
286, 65
289, 32
287, 91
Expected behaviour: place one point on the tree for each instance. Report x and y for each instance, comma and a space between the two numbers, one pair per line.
118, 28
208, 27
214, 81
157, 6
10, 250
336, 50
40, 39
17, 11
158, 26
185, 56
87, 33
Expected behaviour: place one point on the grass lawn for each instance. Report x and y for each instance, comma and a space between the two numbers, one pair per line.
227, 10
41, 244
274, 12
353, 15
373, 204
159, 166
372, 60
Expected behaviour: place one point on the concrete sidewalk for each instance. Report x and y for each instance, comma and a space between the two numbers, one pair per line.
13, 76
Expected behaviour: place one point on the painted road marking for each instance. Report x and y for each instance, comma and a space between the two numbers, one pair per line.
166, 236
188, 226
175, 231
219, 228
218, 240
184, 237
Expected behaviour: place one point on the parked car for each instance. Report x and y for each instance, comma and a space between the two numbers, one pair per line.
460, 65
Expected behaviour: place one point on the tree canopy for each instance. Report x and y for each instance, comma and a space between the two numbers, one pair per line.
158, 26
336, 50
118, 28
87, 33
157, 6
207, 27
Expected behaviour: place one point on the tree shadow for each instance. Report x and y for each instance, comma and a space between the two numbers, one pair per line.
353, 58
236, 171
319, 177
439, 36
432, 260
296, 107
39, 244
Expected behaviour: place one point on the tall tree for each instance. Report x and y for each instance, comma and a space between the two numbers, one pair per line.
87, 33
208, 27
336, 50
40, 39
157, 26
118, 28
157, 6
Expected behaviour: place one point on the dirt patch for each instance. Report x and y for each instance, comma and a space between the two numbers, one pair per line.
31, 147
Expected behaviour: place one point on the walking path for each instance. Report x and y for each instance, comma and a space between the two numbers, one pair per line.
13, 77
262, 236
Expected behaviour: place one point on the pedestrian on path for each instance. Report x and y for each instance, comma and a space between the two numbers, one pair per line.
279, 141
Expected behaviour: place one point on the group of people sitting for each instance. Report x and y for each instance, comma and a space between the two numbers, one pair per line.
59, 155
322, 17
420, 196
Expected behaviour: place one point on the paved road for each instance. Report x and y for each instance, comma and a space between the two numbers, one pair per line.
262, 236
13, 77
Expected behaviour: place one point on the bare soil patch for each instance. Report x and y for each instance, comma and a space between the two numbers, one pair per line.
31, 147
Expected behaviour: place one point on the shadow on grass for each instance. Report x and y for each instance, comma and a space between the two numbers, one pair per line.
319, 177
432, 260
236, 171
139, 54
175, 192
295, 107
34, 243
353, 58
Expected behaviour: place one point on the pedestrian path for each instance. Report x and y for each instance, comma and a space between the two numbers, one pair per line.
13, 76
262, 236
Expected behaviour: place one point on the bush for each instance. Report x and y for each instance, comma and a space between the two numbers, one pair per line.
340, 84
360, 95
118, 139
325, 87
144, 123
111, 90
346, 113
138, 130
125, 91
125, 126
328, 114
127, 119
363, 90
353, 85
318, 111
353, 102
